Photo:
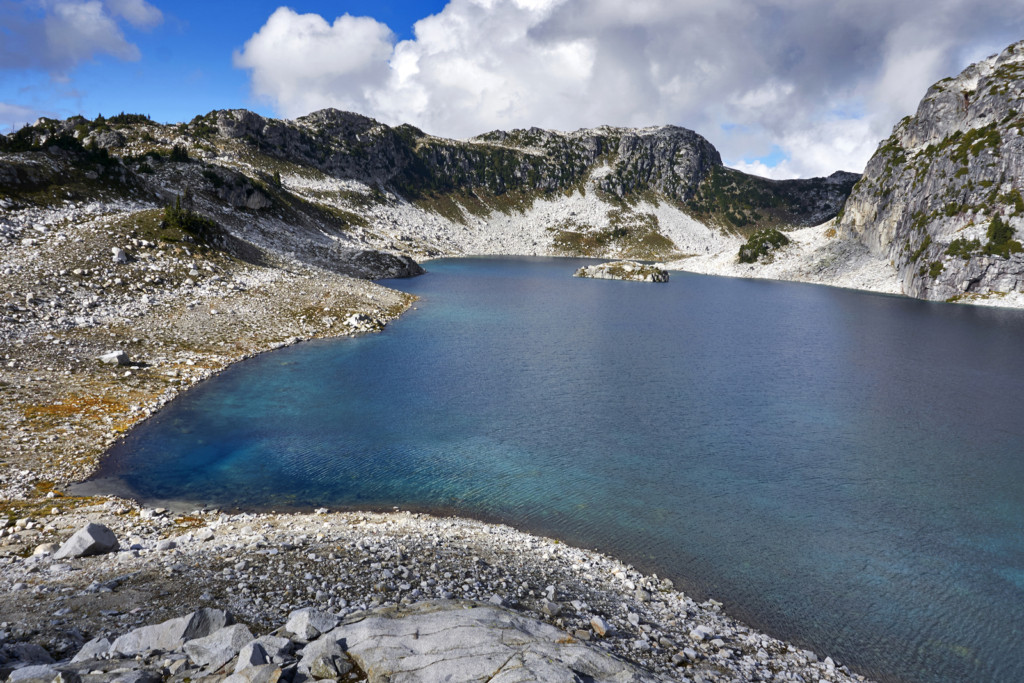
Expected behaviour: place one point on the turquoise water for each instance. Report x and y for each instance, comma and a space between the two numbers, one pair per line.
842, 469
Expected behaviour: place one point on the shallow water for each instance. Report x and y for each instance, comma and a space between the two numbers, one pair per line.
842, 469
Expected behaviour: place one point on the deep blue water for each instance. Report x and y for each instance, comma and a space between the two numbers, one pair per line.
839, 468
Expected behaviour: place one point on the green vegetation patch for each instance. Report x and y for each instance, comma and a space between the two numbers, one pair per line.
963, 248
761, 244
747, 204
1014, 199
1000, 239
630, 235
176, 218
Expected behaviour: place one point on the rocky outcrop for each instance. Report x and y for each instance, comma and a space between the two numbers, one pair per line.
623, 270
429, 641
441, 641
941, 197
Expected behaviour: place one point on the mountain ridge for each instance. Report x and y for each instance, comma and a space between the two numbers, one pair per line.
327, 173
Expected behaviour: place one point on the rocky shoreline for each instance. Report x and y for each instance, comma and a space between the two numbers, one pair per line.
264, 567
83, 281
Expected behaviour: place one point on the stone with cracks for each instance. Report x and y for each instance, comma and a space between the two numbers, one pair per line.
218, 648
324, 647
276, 646
92, 539
251, 655
171, 634
449, 640
309, 623
329, 667
92, 650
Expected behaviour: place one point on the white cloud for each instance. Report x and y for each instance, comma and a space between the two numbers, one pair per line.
56, 35
781, 72
75, 31
138, 13
302, 63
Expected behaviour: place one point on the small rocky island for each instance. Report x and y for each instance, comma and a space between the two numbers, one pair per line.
623, 270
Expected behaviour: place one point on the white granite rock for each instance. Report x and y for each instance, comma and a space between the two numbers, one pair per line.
92, 539
454, 641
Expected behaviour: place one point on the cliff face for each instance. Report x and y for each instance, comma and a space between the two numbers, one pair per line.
941, 197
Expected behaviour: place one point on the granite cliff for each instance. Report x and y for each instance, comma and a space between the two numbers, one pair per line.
941, 197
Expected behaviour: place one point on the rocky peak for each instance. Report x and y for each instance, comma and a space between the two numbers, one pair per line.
983, 93
940, 198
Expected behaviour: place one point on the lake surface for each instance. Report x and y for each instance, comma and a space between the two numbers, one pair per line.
842, 469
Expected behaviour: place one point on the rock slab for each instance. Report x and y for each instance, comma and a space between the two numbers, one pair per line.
460, 641
173, 633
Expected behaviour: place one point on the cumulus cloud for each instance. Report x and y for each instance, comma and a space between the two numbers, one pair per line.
138, 13
824, 82
55, 35
302, 60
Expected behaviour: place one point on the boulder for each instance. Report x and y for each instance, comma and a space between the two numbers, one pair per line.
251, 655
276, 647
117, 357
324, 648
268, 673
92, 650
24, 654
42, 673
218, 648
173, 633
550, 608
330, 667
700, 633
308, 623
92, 539
600, 626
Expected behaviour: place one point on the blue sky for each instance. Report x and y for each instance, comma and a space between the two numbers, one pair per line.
185, 66
783, 88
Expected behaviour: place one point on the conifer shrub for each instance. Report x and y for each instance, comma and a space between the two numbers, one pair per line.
177, 217
762, 243
1000, 239
179, 153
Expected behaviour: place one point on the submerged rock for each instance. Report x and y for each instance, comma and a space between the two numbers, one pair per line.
624, 270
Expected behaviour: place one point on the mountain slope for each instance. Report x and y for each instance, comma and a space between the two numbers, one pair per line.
340, 190
941, 197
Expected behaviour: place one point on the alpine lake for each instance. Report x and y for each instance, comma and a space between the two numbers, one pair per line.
841, 469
